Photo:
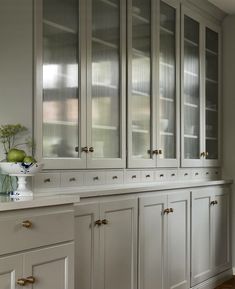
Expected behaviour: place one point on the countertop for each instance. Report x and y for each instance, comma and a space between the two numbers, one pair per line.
7, 203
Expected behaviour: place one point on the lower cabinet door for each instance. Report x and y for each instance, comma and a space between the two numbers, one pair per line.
152, 242
201, 238
11, 271
87, 246
118, 244
221, 230
178, 240
50, 268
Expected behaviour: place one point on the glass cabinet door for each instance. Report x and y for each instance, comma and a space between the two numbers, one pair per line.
212, 95
140, 84
61, 102
191, 93
168, 85
105, 89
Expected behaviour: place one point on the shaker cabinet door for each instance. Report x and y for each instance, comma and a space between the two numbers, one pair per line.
178, 240
11, 272
152, 242
118, 244
50, 268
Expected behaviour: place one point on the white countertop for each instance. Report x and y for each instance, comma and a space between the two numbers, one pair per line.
109, 190
8, 203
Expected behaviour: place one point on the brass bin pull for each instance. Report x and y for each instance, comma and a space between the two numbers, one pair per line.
21, 282
98, 223
105, 222
27, 224
31, 280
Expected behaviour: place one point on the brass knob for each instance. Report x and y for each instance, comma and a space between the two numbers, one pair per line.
160, 152
212, 203
91, 149
206, 154
171, 210
76, 149
203, 154
105, 222
98, 223
166, 211
155, 152
31, 280
21, 282
85, 150
27, 224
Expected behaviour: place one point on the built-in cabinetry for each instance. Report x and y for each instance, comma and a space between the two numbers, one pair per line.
37, 248
210, 233
183, 240
200, 48
90, 53
106, 244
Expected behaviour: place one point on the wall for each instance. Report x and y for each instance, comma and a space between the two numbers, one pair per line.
229, 109
16, 63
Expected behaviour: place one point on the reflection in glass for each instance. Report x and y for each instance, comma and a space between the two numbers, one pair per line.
141, 79
212, 94
106, 79
191, 89
167, 81
60, 78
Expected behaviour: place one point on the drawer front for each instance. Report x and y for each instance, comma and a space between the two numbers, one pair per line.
133, 177
114, 177
94, 178
147, 176
26, 231
185, 175
47, 180
172, 175
161, 176
72, 179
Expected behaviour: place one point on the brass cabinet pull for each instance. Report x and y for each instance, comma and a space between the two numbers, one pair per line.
168, 211
21, 282
48, 180
203, 154
98, 223
91, 149
85, 150
206, 154
212, 203
72, 179
147, 176
96, 178
186, 174
155, 152
105, 222
115, 177
216, 202
76, 149
161, 175
30, 280
160, 152
133, 177
27, 224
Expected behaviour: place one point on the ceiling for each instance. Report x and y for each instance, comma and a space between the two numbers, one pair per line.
227, 6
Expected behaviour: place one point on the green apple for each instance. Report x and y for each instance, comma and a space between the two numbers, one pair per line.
15, 155
29, 159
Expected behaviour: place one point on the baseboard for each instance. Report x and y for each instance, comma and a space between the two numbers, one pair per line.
216, 280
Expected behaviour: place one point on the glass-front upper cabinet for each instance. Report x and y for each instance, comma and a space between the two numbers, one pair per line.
200, 92
58, 90
169, 85
152, 83
212, 89
106, 88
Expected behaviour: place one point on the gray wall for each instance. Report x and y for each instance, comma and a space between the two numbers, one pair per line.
228, 98
16, 62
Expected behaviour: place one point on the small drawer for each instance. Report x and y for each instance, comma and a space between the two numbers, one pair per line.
133, 177
147, 176
94, 178
197, 174
161, 176
215, 174
172, 175
184, 175
35, 228
72, 179
114, 177
207, 174
47, 180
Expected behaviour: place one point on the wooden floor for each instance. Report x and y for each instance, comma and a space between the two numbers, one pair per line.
227, 285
